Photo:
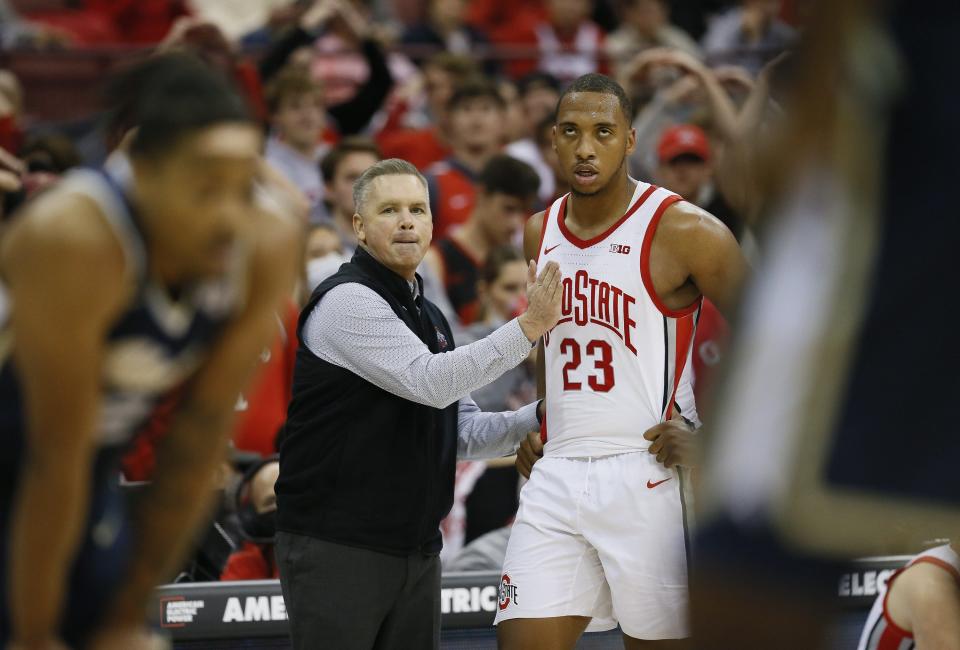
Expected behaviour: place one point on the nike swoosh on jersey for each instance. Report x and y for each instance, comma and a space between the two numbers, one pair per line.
652, 485
546, 251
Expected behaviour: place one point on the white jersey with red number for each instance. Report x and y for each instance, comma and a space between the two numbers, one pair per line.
614, 360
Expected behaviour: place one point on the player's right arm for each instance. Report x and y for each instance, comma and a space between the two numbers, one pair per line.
531, 448
926, 599
66, 275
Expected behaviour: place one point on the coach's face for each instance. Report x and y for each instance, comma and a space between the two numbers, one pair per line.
394, 222
592, 138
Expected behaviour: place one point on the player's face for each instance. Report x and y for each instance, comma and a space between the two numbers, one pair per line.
395, 222
340, 189
202, 194
478, 123
593, 139
507, 293
502, 216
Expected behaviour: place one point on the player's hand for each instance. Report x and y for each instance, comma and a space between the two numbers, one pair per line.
128, 637
674, 443
543, 300
531, 450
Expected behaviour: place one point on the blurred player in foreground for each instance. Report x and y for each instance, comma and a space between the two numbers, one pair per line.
160, 272
835, 435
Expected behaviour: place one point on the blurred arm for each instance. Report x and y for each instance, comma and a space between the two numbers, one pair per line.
187, 459
59, 369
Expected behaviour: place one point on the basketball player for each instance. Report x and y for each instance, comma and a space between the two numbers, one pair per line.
160, 272
600, 536
920, 608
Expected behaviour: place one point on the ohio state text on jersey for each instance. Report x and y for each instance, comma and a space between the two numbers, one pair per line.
614, 360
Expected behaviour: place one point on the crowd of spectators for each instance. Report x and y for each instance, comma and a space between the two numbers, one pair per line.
465, 91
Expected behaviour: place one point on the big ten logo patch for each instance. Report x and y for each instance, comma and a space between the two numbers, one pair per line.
620, 248
508, 593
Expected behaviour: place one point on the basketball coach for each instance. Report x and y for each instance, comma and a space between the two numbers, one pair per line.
380, 413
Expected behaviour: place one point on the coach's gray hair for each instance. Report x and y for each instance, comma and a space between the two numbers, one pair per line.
388, 167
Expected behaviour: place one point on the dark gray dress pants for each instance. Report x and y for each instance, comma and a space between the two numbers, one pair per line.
344, 598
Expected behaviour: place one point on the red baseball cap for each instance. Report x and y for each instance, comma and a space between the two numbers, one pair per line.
683, 139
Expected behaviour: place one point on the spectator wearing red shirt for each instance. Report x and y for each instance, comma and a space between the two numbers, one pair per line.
476, 113
428, 142
257, 509
567, 42
508, 189
263, 407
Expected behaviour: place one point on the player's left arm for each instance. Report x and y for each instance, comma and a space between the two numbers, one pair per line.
704, 253
182, 490
926, 599
699, 256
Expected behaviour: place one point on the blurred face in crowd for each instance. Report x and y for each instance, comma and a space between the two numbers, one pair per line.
517, 126
566, 15
340, 189
592, 139
478, 123
322, 241
262, 495
438, 84
448, 13
504, 297
203, 193
394, 222
539, 102
646, 16
686, 175
501, 215
300, 120
767, 9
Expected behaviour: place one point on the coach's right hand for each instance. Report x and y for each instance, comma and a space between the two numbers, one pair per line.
530, 451
544, 295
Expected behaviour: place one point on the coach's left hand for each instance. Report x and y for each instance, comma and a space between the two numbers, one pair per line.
674, 443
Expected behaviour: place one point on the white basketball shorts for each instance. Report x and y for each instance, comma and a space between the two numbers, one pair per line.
601, 537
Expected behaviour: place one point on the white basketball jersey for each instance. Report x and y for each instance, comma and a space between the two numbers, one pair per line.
614, 360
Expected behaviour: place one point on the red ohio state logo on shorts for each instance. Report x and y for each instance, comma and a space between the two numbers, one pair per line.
508, 592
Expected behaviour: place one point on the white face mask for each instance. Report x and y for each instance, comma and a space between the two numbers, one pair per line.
321, 268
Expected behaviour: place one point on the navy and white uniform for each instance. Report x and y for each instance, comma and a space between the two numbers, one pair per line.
152, 349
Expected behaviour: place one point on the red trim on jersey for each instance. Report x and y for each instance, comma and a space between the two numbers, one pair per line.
587, 243
645, 264
686, 327
564, 320
889, 641
946, 566
543, 227
543, 427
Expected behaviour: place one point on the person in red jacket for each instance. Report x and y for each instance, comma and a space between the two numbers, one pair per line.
257, 508
565, 43
476, 113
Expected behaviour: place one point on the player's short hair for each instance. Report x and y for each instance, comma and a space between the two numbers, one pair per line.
292, 81
505, 175
345, 147
598, 83
168, 97
475, 88
388, 167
